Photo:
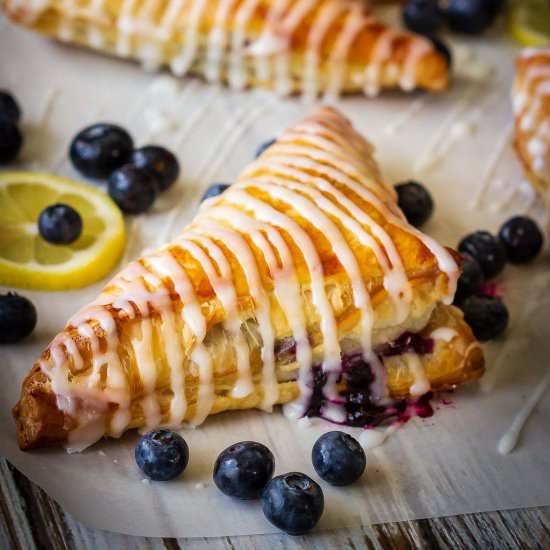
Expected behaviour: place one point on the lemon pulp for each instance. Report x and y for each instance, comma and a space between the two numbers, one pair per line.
28, 261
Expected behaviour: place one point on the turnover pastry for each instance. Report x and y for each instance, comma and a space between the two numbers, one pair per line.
307, 46
531, 102
301, 281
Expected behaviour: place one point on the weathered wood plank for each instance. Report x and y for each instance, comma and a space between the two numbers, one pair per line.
30, 520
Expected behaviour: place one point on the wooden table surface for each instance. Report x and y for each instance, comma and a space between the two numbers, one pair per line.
30, 520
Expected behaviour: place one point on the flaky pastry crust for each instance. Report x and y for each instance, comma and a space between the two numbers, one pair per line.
307, 247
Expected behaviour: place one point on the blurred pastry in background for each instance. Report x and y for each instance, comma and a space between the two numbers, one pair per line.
531, 103
312, 47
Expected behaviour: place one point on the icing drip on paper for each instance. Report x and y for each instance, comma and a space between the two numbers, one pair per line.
509, 440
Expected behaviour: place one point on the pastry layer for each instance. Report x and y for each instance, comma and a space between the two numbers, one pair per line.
308, 46
456, 358
308, 246
531, 101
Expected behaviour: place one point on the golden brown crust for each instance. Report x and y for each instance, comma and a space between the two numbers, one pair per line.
323, 155
429, 71
531, 99
40, 423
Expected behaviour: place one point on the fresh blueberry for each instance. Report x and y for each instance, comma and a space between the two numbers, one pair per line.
60, 224
415, 201
470, 279
11, 141
487, 250
293, 502
133, 189
9, 109
469, 16
162, 455
338, 458
161, 162
265, 145
423, 16
487, 316
443, 49
522, 238
214, 190
243, 469
17, 317
99, 149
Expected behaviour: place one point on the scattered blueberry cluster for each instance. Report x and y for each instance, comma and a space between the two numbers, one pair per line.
519, 241
135, 176
293, 501
462, 16
11, 138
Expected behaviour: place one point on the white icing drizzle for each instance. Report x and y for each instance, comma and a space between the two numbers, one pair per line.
217, 41
264, 212
444, 333
371, 439
346, 258
338, 58
230, 43
181, 63
240, 248
421, 384
509, 440
307, 167
237, 70
225, 291
406, 116
487, 177
323, 21
286, 285
438, 145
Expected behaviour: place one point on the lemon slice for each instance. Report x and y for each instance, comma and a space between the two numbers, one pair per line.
28, 261
529, 22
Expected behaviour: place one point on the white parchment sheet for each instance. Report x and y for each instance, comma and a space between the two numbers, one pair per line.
456, 143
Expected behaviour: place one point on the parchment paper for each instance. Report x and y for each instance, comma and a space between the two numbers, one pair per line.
444, 465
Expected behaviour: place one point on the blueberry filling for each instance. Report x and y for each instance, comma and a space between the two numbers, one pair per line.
354, 384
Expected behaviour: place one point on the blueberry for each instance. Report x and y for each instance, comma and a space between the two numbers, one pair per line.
99, 149
338, 458
470, 279
214, 190
162, 455
265, 145
243, 469
521, 238
9, 109
487, 316
422, 16
293, 502
11, 141
415, 201
469, 16
443, 49
60, 224
161, 162
487, 250
17, 317
133, 189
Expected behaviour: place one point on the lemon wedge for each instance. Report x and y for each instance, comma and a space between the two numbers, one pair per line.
28, 261
529, 22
